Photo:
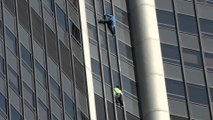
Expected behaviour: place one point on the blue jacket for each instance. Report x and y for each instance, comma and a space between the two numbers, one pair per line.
111, 18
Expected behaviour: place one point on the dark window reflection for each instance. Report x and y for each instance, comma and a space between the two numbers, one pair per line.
3, 103
209, 59
197, 94
61, 17
55, 88
69, 105
206, 25
125, 50
95, 67
26, 56
165, 17
15, 115
11, 41
187, 23
170, 53
129, 85
2, 67
175, 89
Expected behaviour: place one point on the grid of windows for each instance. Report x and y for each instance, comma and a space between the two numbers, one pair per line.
112, 60
185, 30
41, 68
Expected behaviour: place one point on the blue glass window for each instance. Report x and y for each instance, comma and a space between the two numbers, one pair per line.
69, 106
170, 53
14, 81
11, 41
15, 115
61, 17
165, 17
26, 56
187, 23
55, 88
197, 94
3, 103
175, 89
206, 25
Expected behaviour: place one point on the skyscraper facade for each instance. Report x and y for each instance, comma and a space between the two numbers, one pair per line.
185, 28
58, 63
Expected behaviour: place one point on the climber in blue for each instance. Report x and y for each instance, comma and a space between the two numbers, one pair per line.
110, 21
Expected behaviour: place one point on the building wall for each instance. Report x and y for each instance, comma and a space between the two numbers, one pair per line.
186, 29
42, 73
112, 60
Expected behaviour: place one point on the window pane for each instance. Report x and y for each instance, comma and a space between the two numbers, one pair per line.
96, 67
100, 108
206, 25
3, 103
61, 17
175, 89
13, 80
43, 111
170, 53
2, 66
172, 71
107, 78
194, 76
129, 85
69, 106
11, 41
15, 115
55, 88
40, 74
165, 17
192, 58
125, 50
121, 16
197, 94
26, 56
187, 23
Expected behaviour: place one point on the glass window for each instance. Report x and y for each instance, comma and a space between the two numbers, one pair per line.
107, 76
42, 94
69, 106
61, 18
36, 5
123, 33
168, 36
108, 8
211, 93
112, 45
56, 109
1, 48
207, 44
3, 103
110, 109
15, 115
75, 31
129, 85
189, 41
94, 50
204, 10
114, 62
164, 4
2, 66
115, 77
90, 16
54, 88
177, 118
131, 116
41, 74
187, 23
125, 50
172, 71
43, 111
197, 94
99, 101
29, 114
9, 20
26, 56
27, 76
12, 60
166, 18
29, 95
121, 4
199, 112
206, 25
170, 53
67, 86
99, 6
175, 89
177, 107
92, 31
105, 56
95, 67
53, 69
209, 60
98, 89
13, 80
2, 86
11, 41
127, 69
39, 54
24, 37
194, 76
192, 58
121, 16
49, 19
210, 78
185, 7
49, 4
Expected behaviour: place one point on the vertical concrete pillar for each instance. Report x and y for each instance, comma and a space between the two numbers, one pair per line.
148, 59
87, 58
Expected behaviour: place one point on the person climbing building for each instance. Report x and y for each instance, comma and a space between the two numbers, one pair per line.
110, 21
118, 96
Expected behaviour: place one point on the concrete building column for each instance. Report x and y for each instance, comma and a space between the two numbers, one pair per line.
87, 58
148, 60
